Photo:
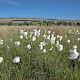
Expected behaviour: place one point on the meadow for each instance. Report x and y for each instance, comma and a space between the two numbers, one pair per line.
44, 53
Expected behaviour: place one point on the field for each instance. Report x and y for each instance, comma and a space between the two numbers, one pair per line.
39, 61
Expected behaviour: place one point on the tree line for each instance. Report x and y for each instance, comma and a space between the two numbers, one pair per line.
43, 23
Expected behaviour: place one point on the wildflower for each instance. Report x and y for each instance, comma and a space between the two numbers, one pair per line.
16, 59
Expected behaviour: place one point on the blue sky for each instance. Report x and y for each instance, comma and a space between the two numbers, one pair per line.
50, 9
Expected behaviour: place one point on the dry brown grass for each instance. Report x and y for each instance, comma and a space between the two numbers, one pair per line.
57, 29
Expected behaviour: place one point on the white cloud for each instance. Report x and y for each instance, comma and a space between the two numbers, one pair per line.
8, 1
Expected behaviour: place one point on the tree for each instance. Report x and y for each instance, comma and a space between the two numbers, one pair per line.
78, 24
10, 23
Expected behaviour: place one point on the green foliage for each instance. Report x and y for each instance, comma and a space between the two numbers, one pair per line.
9, 24
69, 23
41, 22
78, 23
35, 65
3, 23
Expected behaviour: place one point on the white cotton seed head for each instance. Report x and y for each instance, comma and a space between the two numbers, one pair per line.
33, 38
51, 49
39, 30
21, 31
44, 50
78, 32
48, 32
60, 47
26, 37
60, 37
48, 37
29, 46
17, 43
65, 36
68, 41
41, 47
25, 33
1, 42
52, 41
74, 47
43, 43
73, 51
44, 35
16, 60
73, 56
1, 59
57, 43
8, 48
38, 34
57, 36
21, 36
11, 39
78, 39
35, 33
70, 31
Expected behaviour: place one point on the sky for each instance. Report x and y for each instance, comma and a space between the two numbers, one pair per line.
48, 9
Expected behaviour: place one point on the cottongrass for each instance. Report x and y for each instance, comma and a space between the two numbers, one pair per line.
17, 43
28, 46
46, 62
16, 59
1, 59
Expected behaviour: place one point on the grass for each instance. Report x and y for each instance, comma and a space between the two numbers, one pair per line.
34, 64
